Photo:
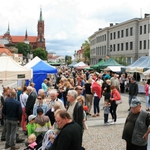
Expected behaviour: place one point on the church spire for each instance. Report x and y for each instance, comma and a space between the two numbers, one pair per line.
26, 35
41, 19
26, 38
8, 30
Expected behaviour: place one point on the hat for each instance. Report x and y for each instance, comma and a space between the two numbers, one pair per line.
135, 102
31, 117
39, 110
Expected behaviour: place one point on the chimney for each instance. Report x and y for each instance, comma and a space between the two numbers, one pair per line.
111, 24
100, 29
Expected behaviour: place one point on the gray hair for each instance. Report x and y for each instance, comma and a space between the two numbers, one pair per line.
73, 93
56, 105
40, 91
29, 88
53, 91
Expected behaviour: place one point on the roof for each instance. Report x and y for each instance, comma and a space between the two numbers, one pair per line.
142, 63
3, 49
109, 62
22, 38
98, 64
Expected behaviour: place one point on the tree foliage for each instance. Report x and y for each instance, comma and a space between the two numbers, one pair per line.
86, 47
23, 48
121, 60
41, 53
68, 59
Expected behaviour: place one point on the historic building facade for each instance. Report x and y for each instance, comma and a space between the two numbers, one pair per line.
34, 41
129, 39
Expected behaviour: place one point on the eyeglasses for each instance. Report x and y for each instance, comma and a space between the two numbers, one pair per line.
39, 98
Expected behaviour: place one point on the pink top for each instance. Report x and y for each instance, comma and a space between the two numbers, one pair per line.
146, 89
32, 145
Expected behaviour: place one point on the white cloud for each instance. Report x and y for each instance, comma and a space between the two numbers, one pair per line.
67, 23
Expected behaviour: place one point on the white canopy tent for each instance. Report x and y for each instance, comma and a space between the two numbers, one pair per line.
146, 73
10, 70
80, 64
113, 68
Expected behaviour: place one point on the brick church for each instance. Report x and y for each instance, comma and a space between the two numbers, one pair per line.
34, 41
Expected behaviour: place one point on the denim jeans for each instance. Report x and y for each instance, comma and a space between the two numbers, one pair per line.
147, 101
130, 99
96, 104
11, 132
106, 118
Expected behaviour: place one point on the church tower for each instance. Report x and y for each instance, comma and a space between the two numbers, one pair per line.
40, 32
7, 34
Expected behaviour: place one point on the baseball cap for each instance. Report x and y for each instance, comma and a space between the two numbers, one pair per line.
31, 117
135, 102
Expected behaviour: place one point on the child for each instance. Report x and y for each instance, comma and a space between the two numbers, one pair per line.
31, 125
106, 111
32, 142
42, 122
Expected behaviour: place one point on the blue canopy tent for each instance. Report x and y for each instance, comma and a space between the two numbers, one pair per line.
40, 71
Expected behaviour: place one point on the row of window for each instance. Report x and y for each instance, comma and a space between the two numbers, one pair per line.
144, 44
101, 38
120, 47
120, 34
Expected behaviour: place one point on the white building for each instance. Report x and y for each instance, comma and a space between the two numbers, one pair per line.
129, 38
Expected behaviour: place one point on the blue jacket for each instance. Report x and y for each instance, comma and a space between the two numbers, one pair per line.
12, 109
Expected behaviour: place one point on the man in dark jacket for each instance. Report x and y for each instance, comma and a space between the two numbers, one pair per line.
136, 128
133, 90
70, 136
12, 111
30, 101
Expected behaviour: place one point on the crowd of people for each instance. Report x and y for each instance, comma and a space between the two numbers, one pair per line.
63, 104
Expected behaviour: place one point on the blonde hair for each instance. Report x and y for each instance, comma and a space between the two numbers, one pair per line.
32, 137
81, 99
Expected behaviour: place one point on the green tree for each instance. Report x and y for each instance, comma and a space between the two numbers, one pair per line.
68, 59
86, 47
23, 48
121, 60
41, 53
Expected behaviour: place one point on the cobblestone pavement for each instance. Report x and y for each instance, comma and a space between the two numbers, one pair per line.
100, 136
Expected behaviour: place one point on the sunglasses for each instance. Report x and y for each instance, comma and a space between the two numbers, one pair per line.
39, 98
79, 89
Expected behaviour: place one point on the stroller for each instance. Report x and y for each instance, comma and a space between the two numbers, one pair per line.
39, 140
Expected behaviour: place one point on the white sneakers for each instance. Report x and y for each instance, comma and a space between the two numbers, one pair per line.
113, 122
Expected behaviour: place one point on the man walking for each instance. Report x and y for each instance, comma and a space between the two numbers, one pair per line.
133, 90
12, 111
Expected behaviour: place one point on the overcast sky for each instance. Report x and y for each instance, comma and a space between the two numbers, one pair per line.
68, 23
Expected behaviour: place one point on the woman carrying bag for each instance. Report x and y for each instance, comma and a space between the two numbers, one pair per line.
115, 96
